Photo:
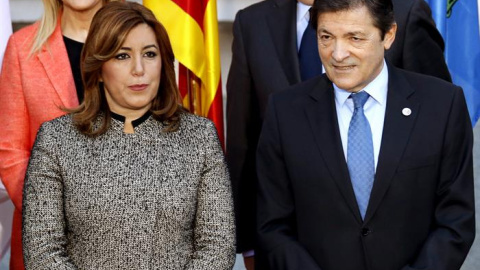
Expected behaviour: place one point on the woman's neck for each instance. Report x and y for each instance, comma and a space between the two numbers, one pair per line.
75, 24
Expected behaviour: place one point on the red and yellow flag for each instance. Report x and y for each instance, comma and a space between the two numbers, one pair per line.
193, 30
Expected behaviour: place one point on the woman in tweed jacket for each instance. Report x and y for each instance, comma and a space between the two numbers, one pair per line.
128, 180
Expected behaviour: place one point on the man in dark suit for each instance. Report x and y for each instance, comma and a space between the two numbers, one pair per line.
265, 60
368, 166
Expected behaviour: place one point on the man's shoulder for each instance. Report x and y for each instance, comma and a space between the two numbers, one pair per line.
408, 4
426, 88
426, 81
404, 8
313, 87
262, 8
402, 5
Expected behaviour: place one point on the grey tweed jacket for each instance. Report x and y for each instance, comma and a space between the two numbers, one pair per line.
148, 200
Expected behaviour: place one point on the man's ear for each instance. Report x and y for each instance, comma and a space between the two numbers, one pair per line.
389, 36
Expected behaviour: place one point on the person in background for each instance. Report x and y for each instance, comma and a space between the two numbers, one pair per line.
6, 210
6, 206
128, 179
40, 74
368, 166
274, 47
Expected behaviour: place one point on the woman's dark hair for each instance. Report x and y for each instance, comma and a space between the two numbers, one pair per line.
108, 31
380, 10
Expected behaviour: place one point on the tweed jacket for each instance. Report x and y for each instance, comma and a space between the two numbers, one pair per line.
148, 200
32, 90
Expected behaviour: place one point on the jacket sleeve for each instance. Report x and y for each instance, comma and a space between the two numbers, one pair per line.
14, 132
214, 239
423, 46
277, 238
243, 129
453, 229
43, 233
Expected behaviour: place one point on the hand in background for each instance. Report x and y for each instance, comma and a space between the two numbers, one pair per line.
249, 262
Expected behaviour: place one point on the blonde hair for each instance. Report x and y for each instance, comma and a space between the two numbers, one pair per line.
48, 23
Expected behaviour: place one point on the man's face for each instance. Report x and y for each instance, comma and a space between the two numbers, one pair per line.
351, 47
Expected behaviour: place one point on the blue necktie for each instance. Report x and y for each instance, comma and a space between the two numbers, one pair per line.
310, 64
360, 159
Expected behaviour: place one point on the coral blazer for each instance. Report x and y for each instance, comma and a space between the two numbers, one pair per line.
32, 91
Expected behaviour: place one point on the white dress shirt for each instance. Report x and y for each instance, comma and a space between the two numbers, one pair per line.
374, 110
303, 16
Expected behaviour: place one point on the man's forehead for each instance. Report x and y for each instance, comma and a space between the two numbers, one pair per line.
360, 11
359, 16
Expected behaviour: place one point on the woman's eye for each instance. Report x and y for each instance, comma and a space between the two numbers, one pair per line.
121, 56
150, 54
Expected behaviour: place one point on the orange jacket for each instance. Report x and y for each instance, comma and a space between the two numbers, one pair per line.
32, 91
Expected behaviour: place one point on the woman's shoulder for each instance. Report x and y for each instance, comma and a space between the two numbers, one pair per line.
62, 124
56, 132
197, 129
189, 121
25, 35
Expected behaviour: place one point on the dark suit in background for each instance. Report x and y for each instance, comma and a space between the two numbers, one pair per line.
265, 61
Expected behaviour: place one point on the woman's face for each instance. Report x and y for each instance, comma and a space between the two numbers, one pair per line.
132, 77
82, 5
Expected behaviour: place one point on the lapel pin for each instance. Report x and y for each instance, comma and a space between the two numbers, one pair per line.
406, 111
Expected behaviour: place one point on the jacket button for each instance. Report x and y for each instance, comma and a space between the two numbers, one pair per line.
366, 231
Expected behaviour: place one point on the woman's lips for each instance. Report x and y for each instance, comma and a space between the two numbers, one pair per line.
138, 87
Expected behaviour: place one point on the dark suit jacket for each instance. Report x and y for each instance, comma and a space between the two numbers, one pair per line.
421, 209
265, 61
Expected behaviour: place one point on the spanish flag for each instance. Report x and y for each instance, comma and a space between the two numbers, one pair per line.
193, 30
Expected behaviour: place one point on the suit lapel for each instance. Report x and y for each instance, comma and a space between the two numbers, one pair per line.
54, 60
281, 20
322, 117
396, 132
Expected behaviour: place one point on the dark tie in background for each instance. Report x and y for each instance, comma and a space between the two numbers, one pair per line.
310, 64
360, 160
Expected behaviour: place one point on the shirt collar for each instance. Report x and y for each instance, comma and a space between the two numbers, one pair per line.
377, 88
302, 12
135, 122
